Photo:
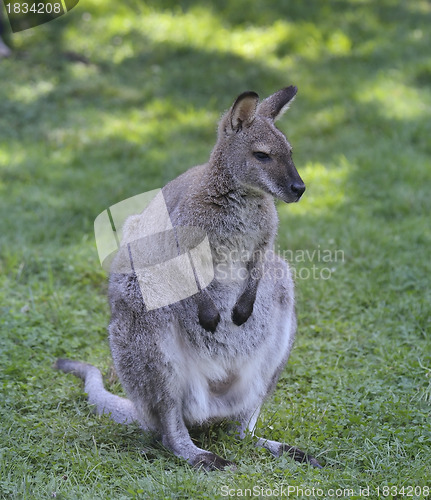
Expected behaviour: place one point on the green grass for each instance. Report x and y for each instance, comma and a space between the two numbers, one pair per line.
135, 104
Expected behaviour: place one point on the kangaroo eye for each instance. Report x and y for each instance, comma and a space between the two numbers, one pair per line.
261, 156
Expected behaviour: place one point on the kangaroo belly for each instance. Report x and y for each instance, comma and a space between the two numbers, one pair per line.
218, 389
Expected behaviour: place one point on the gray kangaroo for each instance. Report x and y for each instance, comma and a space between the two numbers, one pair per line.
217, 354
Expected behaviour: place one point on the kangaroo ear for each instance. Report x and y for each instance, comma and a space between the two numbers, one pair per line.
243, 110
277, 104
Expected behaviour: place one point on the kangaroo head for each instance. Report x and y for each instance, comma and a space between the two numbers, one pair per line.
254, 151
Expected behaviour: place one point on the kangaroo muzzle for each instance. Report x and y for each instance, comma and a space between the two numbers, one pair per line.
297, 189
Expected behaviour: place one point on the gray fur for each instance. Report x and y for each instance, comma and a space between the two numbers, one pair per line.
216, 355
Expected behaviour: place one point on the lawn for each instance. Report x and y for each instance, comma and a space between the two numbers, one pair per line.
110, 101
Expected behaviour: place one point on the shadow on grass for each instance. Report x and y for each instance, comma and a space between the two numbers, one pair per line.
80, 142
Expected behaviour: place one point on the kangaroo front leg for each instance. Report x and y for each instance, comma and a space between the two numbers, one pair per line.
244, 305
176, 438
208, 313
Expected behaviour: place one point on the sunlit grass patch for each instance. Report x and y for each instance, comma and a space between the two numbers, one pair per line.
391, 96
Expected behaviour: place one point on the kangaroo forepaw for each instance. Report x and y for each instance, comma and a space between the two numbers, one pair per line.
241, 312
299, 455
209, 317
210, 461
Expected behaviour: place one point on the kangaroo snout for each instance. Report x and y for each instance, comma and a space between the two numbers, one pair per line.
297, 189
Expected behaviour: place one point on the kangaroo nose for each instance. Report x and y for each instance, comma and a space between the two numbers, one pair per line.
298, 188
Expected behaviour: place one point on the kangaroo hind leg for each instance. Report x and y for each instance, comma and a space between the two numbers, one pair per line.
176, 437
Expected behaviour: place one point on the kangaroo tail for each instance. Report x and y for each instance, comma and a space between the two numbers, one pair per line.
121, 410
